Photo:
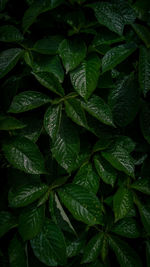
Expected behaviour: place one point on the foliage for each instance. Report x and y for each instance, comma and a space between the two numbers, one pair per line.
75, 133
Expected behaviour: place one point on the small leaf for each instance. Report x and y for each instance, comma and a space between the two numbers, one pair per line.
116, 55
144, 69
7, 222
8, 60
125, 254
66, 145
17, 253
99, 109
28, 100
93, 248
142, 185
75, 111
25, 194
9, 33
127, 227
49, 81
83, 205
122, 203
9, 123
145, 122
49, 245
85, 77
24, 155
52, 120
48, 45
87, 177
143, 33
72, 52
107, 173
30, 221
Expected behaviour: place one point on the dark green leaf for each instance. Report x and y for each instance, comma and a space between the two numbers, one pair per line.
142, 185
49, 45
87, 177
85, 77
24, 155
144, 211
49, 245
83, 205
145, 122
9, 123
144, 69
8, 60
17, 253
148, 252
7, 222
127, 227
143, 33
25, 194
9, 33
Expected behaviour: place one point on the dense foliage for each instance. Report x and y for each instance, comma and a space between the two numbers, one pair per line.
75, 133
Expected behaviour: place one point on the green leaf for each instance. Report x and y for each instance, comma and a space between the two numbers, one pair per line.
30, 221
66, 145
85, 77
48, 45
122, 203
9, 123
24, 155
7, 222
52, 120
93, 248
9, 33
38, 7
124, 101
107, 173
116, 55
127, 227
28, 100
49, 245
72, 52
144, 69
17, 253
104, 36
99, 109
87, 177
120, 159
49, 81
8, 60
75, 111
83, 205
144, 211
25, 194
145, 122
142, 185
125, 142
143, 33
125, 254
103, 143
74, 247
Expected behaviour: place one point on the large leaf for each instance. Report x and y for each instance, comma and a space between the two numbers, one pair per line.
52, 120
72, 52
124, 100
145, 122
143, 33
9, 33
107, 173
8, 60
93, 248
30, 221
49, 81
38, 7
17, 253
120, 159
142, 185
125, 254
122, 203
7, 222
85, 77
28, 100
24, 155
49, 245
87, 177
127, 227
144, 69
25, 194
97, 107
116, 55
75, 111
66, 145
83, 205
49, 45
